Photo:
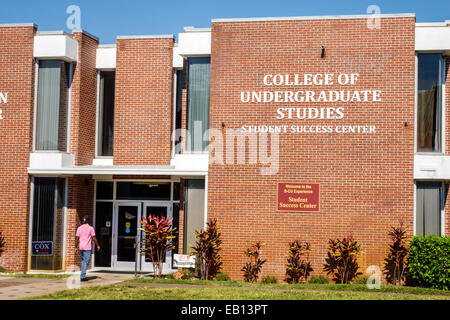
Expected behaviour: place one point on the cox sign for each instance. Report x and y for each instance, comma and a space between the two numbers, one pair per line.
40, 248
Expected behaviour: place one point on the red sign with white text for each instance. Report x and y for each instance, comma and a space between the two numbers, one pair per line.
298, 197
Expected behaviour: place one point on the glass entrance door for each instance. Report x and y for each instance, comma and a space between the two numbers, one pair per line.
160, 209
125, 235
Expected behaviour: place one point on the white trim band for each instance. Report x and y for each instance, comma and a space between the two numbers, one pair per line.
337, 17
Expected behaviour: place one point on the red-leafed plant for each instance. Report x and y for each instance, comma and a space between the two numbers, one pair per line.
341, 259
2, 244
253, 267
157, 240
207, 249
298, 266
395, 263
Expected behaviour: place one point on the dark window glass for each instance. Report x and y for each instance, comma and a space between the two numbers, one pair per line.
48, 217
178, 109
103, 231
429, 102
106, 118
105, 190
143, 191
176, 191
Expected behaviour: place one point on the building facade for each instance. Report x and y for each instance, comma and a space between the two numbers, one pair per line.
306, 128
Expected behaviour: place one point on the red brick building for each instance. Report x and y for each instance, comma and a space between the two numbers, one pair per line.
304, 128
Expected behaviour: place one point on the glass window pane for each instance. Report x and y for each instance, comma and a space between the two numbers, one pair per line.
429, 103
106, 119
198, 102
52, 100
176, 191
428, 208
103, 231
47, 223
105, 190
143, 191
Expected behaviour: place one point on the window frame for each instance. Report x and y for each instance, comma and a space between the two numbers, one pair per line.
99, 114
442, 107
442, 190
69, 107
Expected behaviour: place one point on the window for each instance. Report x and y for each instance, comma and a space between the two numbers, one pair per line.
428, 208
198, 103
106, 114
48, 223
105, 190
54, 81
143, 190
429, 102
178, 109
194, 211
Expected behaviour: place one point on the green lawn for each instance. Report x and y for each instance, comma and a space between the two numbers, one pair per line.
166, 289
35, 275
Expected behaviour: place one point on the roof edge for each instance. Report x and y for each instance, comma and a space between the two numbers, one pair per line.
330, 17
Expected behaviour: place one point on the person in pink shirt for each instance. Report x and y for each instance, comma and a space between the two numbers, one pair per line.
86, 234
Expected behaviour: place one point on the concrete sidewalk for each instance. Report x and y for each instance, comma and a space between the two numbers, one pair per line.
12, 288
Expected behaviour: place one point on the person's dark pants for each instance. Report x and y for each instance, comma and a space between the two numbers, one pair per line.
85, 257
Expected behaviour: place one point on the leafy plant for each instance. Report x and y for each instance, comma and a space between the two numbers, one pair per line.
269, 279
341, 259
429, 262
157, 240
395, 262
318, 279
207, 248
222, 277
253, 267
2, 244
188, 274
360, 280
298, 266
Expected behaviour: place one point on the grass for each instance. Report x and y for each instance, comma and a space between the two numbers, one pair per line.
34, 275
166, 289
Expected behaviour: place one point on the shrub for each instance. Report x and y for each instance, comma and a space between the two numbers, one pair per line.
253, 267
222, 277
2, 244
298, 266
318, 279
269, 279
395, 262
157, 239
207, 248
171, 275
429, 262
360, 280
341, 259
188, 274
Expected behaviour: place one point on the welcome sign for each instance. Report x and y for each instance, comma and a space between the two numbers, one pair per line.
298, 197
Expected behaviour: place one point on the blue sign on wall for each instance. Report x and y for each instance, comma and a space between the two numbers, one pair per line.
42, 248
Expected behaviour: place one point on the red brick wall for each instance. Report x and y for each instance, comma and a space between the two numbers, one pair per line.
80, 203
366, 181
143, 105
16, 79
84, 101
